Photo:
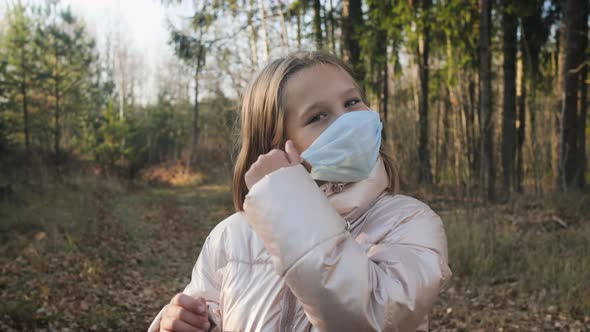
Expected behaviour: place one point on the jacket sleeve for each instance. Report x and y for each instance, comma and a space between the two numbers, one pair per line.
204, 283
341, 286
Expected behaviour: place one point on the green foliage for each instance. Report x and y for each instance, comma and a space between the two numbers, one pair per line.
17, 70
48, 65
458, 37
160, 133
4, 102
110, 140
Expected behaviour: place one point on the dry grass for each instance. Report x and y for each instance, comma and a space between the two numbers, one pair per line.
173, 174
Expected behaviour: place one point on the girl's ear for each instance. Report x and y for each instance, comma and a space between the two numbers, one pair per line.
294, 156
292, 153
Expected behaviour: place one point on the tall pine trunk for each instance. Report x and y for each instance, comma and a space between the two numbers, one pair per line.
425, 175
317, 24
24, 103
509, 100
330, 19
576, 16
352, 19
57, 129
488, 174
583, 161
196, 129
284, 33
299, 23
196, 107
263, 30
253, 34
521, 130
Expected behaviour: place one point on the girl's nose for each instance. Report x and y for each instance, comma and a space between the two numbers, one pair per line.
338, 112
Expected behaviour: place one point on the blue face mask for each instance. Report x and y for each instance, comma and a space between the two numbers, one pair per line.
348, 149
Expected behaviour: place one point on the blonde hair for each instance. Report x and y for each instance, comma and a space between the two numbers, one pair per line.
263, 114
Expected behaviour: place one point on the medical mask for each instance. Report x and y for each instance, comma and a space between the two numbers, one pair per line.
348, 149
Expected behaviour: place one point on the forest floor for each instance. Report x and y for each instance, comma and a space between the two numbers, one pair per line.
92, 254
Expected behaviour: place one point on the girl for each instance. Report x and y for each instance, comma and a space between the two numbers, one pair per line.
320, 241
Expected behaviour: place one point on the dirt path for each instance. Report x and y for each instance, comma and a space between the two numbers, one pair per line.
137, 251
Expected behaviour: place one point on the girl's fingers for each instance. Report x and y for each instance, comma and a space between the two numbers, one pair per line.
205, 308
270, 162
293, 155
189, 303
180, 313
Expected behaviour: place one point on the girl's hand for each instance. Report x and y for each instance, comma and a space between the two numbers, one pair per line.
185, 313
272, 161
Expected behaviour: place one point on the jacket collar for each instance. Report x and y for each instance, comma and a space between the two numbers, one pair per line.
351, 200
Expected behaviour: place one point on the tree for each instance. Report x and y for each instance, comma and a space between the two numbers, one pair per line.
20, 62
67, 62
536, 18
284, 33
253, 33
331, 24
423, 52
583, 161
352, 22
576, 20
192, 50
382, 26
263, 30
4, 103
509, 25
485, 83
317, 24
110, 137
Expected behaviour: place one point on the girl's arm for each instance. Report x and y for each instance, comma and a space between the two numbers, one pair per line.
203, 284
340, 285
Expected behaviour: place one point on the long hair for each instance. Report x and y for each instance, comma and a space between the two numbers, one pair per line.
262, 116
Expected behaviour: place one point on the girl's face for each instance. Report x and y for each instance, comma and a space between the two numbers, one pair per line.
315, 97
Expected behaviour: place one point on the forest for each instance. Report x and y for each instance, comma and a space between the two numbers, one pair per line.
484, 105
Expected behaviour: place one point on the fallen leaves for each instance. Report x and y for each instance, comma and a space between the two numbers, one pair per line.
116, 276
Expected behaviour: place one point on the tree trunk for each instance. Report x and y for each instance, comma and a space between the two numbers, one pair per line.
559, 79
317, 24
509, 100
425, 175
24, 103
284, 34
195, 138
447, 128
521, 130
196, 129
385, 97
299, 14
263, 30
331, 20
57, 132
488, 175
437, 151
583, 161
576, 16
352, 19
253, 34
380, 71
472, 146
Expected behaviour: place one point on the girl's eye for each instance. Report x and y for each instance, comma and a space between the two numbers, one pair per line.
352, 102
316, 118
